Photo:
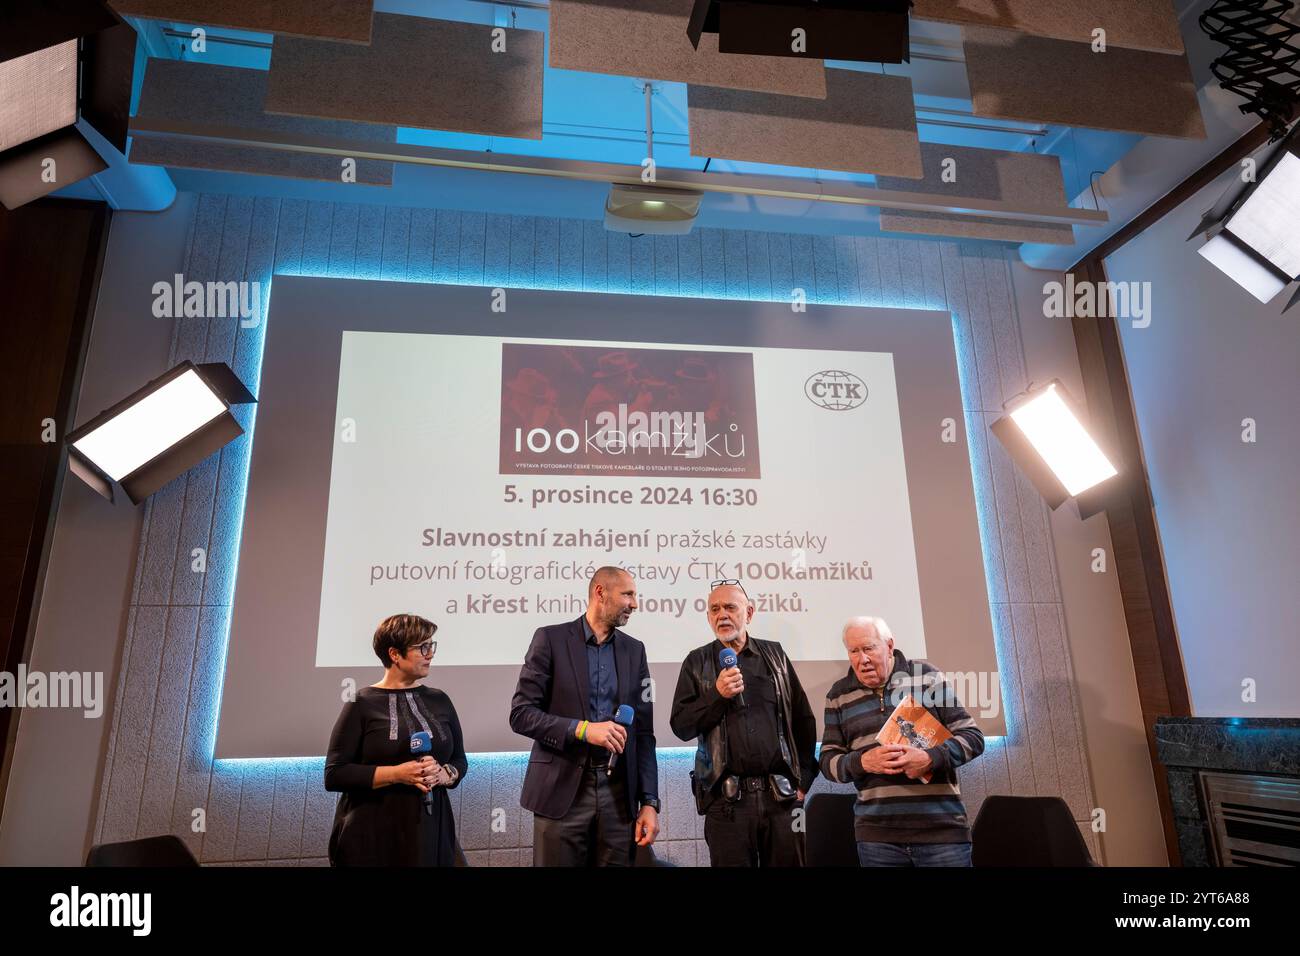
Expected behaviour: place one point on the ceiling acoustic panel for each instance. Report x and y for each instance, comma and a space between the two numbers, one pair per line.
647, 39
432, 74
1018, 77
1026, 179
1150, 25
346, 20
866, 124
228, 96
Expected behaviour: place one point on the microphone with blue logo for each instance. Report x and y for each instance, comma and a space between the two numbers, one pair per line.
422, 746
623, 717
726, 659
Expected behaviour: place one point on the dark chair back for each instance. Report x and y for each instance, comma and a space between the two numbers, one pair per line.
646, 856
828, 818
150, 851
1027, 831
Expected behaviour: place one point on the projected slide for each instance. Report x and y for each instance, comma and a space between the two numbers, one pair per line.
417, 449
479, 480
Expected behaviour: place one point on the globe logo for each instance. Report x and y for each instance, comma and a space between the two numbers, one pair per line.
835, 390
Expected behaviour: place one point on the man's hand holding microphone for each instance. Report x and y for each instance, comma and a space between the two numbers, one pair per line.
608, 734
730, 682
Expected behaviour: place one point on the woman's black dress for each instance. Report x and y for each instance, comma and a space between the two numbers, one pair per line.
389, 826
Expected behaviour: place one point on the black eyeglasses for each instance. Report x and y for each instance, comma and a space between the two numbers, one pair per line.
729, 582
428, 648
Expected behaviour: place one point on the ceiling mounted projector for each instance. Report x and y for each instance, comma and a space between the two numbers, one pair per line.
651, 210
871, 31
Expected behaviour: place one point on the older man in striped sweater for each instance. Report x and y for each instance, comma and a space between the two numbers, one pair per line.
900, 819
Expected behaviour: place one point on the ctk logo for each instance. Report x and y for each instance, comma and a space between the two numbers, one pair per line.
837, 391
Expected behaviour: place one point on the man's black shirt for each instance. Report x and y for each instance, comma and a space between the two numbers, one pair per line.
753, 747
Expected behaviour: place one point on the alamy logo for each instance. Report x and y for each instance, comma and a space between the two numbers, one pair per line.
72, 689
74, 908
207, 300
835, 390
1098, 300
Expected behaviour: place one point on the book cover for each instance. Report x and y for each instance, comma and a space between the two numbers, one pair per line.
913, 726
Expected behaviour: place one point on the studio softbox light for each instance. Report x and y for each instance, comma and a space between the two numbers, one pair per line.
872, 31
159, 432
1235, 260
1045, 434
60, 60
1254, 229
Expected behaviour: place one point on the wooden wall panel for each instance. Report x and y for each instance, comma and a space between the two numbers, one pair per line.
50, 255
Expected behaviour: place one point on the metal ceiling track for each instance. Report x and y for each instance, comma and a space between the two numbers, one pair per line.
784, 187
1262, 64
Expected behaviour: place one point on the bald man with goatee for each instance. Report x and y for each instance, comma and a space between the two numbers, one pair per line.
592, 784
756, 738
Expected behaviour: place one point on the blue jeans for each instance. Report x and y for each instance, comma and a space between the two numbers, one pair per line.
914, 854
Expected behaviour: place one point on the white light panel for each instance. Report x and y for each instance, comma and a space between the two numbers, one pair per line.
38, 93
1233, 262
1062, 442
1269, 221
151, 426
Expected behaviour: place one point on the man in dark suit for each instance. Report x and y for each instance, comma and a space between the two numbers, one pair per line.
575, 677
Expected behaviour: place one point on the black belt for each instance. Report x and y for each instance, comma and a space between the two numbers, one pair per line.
754, 783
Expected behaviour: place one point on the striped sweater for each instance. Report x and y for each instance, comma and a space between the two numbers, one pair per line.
892, 808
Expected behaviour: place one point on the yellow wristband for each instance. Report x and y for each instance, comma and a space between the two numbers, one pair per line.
582, 730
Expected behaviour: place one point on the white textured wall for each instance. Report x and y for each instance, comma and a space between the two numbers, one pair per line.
1229, 523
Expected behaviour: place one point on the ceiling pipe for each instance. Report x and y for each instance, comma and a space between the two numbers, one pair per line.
784, 187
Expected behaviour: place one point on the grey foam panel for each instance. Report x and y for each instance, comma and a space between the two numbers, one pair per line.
1150, 25
347, 20
647, 38
187, 154
866, 124
1018, 77
1026, 178
232, 96
433, 74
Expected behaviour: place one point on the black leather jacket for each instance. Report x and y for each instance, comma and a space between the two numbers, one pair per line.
698, 710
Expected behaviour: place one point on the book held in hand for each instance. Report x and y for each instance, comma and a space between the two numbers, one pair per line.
911, 725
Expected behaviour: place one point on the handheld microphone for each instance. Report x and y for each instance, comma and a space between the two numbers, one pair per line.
727, 658
624, 717
422, 746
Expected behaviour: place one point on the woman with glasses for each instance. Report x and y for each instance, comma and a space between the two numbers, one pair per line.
395, 810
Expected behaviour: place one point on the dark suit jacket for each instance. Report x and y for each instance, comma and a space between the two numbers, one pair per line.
553, 692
